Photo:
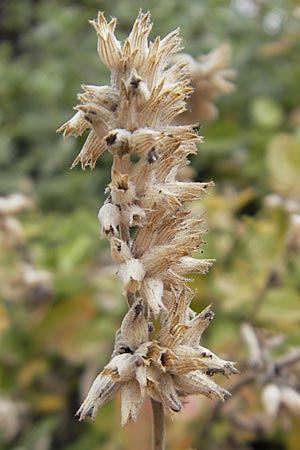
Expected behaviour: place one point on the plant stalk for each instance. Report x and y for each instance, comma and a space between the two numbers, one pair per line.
158, 426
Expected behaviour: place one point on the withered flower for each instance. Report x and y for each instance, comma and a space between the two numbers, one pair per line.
152, 234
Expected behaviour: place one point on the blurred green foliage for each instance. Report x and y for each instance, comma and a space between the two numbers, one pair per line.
52, 348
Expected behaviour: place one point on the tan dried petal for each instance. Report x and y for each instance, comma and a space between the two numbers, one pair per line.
160, 258
104, 96
142, 177
141, 377
184, 192
154, 196
131, 274
146, 235
213, 362
159, 51
198, 383
90, 152
137, 91
144, 139
122, 189
109, 218
163, 106
184, 364
120, 368
178, 313
131, 401
174, 325
133, 215
138, 37
98, 116
166, 392
152, 291
154, 353
120, 251
134, 327
171, 279
176, 158
109, 48
188, 265
121, 164
75, 126
197, 326
167, 227
101, 391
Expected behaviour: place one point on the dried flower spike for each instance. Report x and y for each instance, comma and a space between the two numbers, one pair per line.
153, 237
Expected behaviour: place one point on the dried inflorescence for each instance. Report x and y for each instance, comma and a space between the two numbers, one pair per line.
25, 282
11, 232
277, 378
210, 77
153, 236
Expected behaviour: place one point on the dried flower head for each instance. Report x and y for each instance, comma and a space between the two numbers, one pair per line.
168, 368
210, 77
152, 234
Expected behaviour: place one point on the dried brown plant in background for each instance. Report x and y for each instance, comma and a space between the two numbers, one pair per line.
210, 77
26, 282
152, 234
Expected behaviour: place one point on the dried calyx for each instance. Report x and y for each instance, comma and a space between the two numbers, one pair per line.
152, 234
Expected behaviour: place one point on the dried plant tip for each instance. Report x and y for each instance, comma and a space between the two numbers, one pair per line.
134, 328
75, 126
152, 235
131, 401
102, 390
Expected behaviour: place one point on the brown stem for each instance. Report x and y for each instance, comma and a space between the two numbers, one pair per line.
158, 426
280, 363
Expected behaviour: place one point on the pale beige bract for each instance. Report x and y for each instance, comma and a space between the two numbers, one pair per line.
153, 236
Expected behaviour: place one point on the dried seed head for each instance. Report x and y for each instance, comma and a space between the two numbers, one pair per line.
151, 233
